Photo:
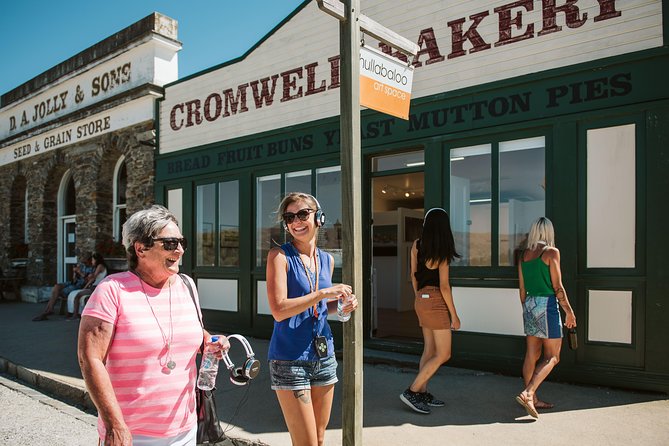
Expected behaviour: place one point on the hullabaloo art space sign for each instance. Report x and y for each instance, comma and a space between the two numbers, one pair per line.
385, 83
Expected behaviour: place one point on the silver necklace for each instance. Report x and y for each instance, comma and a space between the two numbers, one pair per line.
167, 340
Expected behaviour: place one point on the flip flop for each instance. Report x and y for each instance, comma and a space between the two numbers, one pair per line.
40, 317
526, 404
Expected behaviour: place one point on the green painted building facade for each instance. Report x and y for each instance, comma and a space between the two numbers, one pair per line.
584, 143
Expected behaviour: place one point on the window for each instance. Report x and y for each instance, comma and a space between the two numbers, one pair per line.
271, 189
120, 187
217, 224
477, 203
471, 196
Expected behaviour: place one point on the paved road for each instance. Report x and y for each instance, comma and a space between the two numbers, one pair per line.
480, 408
29, 417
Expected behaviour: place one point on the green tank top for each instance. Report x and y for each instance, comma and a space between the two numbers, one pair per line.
537, 278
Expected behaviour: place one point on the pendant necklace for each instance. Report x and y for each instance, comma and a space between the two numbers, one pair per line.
167, 340
313, 286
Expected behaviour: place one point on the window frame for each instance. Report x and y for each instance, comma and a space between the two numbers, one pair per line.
495, 270
313, 169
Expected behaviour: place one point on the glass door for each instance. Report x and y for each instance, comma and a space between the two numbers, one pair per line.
68, 247
397, 217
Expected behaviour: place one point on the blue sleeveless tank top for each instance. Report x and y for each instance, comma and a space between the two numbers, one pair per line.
292, 338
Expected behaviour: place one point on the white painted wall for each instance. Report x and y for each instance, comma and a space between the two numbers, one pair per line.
489, 310
610, 316
611, 197
311, 36
121, 116
218, 294
152, 60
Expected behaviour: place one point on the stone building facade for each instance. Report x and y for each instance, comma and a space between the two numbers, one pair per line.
77, 151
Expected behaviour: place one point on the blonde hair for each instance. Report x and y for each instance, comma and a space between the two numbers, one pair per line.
541, 231
294, 197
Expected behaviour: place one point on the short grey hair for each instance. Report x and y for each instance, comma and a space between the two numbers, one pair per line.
541, 231
143, 226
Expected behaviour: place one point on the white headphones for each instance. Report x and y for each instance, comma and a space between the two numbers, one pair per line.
240, 376
432, 209
319, 215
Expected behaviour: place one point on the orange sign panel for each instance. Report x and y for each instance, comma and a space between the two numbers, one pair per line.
385, 83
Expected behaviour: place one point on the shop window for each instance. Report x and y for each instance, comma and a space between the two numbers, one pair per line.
398, 161
324, 183
522, 193
517, 198
471, 197
217, 225
69, 196
120, 187
228, 223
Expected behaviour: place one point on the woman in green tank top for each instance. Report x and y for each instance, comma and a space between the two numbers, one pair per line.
541, 292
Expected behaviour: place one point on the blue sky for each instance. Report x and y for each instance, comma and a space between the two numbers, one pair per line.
36, 35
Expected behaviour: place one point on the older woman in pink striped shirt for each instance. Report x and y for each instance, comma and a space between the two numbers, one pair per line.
139, 337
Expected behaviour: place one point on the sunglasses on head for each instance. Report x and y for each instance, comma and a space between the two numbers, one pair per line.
171, 243
302, 214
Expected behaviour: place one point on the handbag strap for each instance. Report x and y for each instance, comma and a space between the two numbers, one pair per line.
192, 296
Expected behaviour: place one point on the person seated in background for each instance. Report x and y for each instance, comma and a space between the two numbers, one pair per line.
75, 297
80, 274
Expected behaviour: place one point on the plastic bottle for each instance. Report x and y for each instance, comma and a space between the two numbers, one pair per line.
206, 379
343, 317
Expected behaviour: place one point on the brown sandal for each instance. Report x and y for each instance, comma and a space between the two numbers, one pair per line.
528, 404
538, 404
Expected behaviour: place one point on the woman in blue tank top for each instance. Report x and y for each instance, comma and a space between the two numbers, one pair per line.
303, 368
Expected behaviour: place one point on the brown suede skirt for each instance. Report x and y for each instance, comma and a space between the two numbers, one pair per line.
432, 311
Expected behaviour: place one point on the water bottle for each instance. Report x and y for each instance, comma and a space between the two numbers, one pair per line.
343, 317
206, 380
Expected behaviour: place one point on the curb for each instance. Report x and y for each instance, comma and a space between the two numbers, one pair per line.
73, 395
51, 385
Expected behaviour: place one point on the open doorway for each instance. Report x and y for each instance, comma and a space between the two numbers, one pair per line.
397, 213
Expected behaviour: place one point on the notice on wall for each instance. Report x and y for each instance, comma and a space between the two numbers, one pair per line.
385, 83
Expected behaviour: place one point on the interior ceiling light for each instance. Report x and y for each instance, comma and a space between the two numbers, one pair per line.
457, 158
407, 194
418, 163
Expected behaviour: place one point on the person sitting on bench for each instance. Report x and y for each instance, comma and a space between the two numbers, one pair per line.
76, 296
80, 274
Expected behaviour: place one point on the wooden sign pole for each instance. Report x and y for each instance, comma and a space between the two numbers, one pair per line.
351, 25
350, 152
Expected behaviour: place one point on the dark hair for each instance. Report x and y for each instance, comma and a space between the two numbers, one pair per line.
99, 260
436, 239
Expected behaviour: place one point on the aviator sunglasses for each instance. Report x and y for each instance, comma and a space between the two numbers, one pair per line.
302, 214
171, 243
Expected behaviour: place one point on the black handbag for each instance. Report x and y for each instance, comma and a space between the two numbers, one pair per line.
209, 429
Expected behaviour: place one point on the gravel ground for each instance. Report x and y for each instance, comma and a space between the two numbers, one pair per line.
30, 417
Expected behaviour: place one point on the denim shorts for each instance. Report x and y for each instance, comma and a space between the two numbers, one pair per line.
301, 375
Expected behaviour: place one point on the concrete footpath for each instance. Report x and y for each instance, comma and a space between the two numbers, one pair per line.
480, 407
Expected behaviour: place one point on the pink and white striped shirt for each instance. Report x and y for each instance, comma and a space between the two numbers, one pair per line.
155, 401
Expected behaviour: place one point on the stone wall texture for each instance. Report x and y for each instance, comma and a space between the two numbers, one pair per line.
38, 184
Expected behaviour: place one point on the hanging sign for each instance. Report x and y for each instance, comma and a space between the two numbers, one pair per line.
385, 83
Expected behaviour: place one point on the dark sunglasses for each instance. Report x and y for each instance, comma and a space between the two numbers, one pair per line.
302, 214
171, 243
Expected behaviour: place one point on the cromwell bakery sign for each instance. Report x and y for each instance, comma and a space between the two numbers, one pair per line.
512, 24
